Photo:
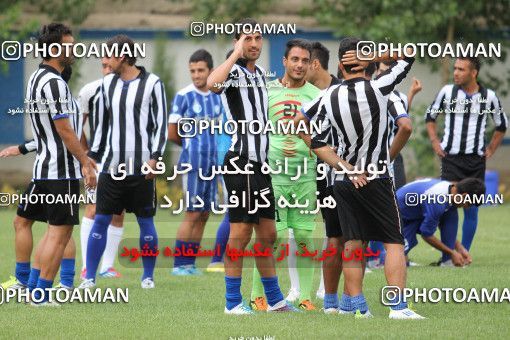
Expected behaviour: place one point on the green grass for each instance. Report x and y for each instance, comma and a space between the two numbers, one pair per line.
192, 307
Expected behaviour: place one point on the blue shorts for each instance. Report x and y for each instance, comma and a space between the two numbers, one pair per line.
196, 186
409, 231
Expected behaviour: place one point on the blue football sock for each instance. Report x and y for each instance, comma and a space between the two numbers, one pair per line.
33, 278
194, 246
346, 303
22, 272
398, 304
448, 226
67, 272
42, 295
330, 301
180, 260
272, 290
97, 243
149, 236
233, 291
469, 226
221, 239
359, 303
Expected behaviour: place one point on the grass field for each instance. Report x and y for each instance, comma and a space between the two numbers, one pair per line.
192, 307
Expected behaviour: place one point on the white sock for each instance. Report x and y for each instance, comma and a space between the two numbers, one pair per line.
112, 246
292, 261
86, 227
321, 284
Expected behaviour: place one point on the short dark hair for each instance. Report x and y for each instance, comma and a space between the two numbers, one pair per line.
471, 187
347, 44
321, 53
121, 40
52, 34
301, 43
202, 55
475, 63
246, 22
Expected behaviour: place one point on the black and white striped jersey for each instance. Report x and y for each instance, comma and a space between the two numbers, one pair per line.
47, 99
397, 108
76, 121
88, 97
244, 98
357, 111
466, 118
131, 122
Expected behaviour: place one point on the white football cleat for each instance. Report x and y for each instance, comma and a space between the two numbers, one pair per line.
148, 283
87, 284
240, 309
293, 295
330, 310
405, 314
320, 294
359, 315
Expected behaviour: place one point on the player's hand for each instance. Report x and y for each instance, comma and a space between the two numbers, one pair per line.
93, 162
457, 259
416, 86
10, 151
238, 47
465, 255
89, 174
351, 58
152, 164
438, 149
488, 152
359, 180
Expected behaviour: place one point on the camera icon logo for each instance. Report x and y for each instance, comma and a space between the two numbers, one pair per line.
391, 296
187, 128
197, 29
5, 199
11, 50
411, 199
2, 296
365, 50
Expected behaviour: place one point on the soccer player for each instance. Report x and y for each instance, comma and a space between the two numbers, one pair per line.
423, 216
132, 104
244, 96
285, 98
332, 266
89, 99
197, 103
26, 276
462, 150
56, 171
356, 111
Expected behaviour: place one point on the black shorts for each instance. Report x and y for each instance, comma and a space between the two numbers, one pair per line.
399, 172
457, 167
61, 209
330, 216
134, 193
369, 213
251, 186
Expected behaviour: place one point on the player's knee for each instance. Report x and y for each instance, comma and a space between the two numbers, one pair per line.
101, 222
21, 223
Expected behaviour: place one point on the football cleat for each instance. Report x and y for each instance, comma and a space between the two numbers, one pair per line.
216, 267
87, 284
240, 309
366, 315
13, 284
406, 313
282, 307
293, 295
111, 272
320, 294
307, 305
259, 304
148, 283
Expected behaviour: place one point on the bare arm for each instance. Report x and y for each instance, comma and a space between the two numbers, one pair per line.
404, 132
436, 144
413, 90
220, 74
173, 135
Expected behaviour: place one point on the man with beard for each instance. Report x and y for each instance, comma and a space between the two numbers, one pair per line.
286, 96
244, 96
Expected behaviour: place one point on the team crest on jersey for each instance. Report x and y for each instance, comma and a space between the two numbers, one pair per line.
216, 109
196, 107
175, 108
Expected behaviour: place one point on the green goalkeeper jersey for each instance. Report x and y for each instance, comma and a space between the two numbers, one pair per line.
284, 103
